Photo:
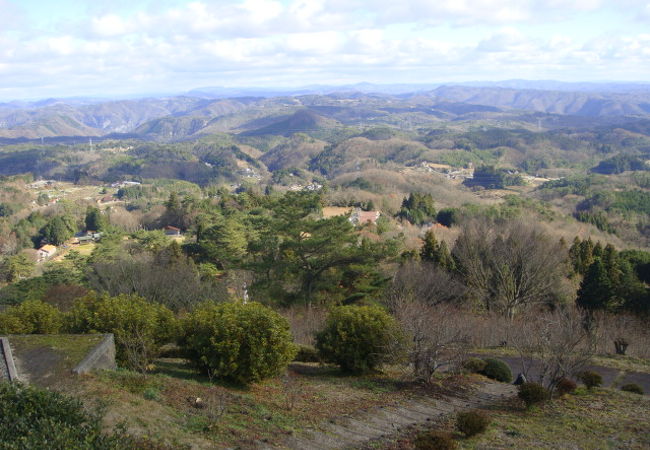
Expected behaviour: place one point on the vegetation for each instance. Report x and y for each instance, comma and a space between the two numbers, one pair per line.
497, 370
243, 343
357, 338
472, 422
590, 379
31, 317
36, 418
532, 394
632, 387
140, 327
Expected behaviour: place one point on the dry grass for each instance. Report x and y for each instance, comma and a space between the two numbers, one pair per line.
164, 405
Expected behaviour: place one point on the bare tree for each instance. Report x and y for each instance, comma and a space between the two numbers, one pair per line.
554, 345
510, 265
435, 335
425, 282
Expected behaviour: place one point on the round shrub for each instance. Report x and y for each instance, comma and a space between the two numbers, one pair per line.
357, 338
140, 327
306, 353
474, 365
238, 342
632, 387
471, 423
532, 393
31, 317
565, 386
434, 440
497, 370
590, 379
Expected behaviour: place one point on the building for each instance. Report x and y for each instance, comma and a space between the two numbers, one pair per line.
359, 217
172, 231
46, 252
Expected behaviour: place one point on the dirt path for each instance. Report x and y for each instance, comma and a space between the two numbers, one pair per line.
356, 430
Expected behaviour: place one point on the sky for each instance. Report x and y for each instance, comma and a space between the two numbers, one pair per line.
116, 48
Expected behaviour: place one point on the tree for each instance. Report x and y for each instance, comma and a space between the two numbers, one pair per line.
436, 252
59, 229
596, 289
509, 266
15, 267
418, 208
95, 220
140, 327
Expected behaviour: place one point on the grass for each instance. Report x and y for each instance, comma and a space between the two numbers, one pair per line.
589, 419
72, 347
164, 403
619, 362
597, 419
48, 360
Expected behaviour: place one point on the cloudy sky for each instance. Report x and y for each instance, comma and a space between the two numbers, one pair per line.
129, 47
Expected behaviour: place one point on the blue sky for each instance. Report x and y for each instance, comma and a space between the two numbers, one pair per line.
67, 48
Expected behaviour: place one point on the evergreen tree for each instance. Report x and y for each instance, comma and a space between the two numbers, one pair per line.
429, 249
95, 220
596, 290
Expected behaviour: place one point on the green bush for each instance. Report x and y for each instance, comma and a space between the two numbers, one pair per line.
471, 423
239, 342
140, 327
632, 387
434, 440
474, 365
532, 393
565, 386
31, 317
590, 379
497, 370
32, 418
357, 338
307, 353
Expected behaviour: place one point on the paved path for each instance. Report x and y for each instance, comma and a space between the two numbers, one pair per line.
609, 375
355, 431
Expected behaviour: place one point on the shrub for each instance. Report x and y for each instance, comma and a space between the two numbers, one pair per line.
632, 387
471, 423
357, 338
35, 418
140, 327
565, 386
31, 317
307, 353
239, 342
474, 365
497, 370
532, 393
590, 379
434, 440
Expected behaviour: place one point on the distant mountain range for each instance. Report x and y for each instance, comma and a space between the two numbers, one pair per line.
256, 111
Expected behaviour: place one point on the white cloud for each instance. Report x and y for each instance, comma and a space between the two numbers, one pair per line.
305, 41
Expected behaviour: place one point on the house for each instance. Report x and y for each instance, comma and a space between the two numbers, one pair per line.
87, 237
107, 199
172, 231
359, 217
46, 252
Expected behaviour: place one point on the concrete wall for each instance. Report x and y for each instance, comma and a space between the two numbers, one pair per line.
8, 368
100, 357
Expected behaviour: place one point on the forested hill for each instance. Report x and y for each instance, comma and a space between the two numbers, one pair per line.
200, 113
